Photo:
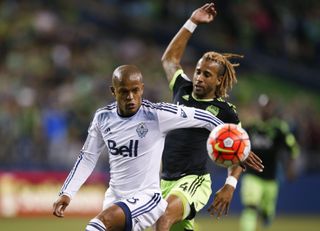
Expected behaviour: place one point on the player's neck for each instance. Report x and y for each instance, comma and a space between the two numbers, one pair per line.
201, 99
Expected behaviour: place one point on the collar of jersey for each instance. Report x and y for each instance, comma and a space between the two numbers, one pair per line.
200, 100
127, 117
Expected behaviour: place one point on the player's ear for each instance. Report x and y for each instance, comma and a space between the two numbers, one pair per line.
112, 91
221, 71
219, 79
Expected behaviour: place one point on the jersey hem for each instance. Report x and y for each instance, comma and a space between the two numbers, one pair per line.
199, 173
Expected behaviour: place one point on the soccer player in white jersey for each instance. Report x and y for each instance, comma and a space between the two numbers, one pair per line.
133, 130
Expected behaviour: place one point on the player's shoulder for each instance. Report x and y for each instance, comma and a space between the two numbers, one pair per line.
148, 104
107, 108
180, 79
104, 111
162, 106
225, 104
224, 110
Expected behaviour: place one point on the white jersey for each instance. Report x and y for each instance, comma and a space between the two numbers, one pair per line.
134, 145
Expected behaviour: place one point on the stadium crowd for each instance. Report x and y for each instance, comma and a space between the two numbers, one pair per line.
57, 59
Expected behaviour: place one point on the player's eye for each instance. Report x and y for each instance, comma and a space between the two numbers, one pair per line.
123, 92
135, 90
207, 74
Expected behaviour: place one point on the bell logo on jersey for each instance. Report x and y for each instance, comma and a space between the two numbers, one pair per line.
131, 150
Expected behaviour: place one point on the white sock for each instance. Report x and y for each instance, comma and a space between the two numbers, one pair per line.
95, 225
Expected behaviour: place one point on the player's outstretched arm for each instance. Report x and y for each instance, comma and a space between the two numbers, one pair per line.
221, 202
254, 162
60, 205
173, 53
222, 198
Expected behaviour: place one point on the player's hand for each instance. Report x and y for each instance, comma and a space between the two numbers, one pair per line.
204, 14
60, 205
254, 162
221, 202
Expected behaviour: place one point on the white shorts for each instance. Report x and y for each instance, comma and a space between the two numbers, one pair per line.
142, 210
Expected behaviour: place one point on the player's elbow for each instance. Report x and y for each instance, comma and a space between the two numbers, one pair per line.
169, 60
165, 60
166, 64
170, 68
170, 65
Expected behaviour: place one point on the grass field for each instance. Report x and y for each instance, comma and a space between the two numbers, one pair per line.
283, 223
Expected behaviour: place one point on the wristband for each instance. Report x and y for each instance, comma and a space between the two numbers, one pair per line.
231, 180
190, 26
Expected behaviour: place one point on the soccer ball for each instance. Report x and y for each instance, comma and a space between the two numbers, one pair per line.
228, 145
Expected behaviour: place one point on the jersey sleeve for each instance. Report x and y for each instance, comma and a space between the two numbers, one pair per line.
86, 161
180, 79
225, 111
173, 116
231, 114
234, 118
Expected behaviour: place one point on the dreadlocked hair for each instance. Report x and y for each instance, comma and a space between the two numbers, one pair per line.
227, 70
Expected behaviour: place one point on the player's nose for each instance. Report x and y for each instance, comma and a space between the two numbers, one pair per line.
130, 95
199, 77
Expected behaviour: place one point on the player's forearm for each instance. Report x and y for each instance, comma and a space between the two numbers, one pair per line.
78, 175
172, 56
84, 165
233, 176
176, 47
235, 171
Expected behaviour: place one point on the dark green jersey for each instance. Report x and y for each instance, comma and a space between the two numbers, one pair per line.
185, 150
268, 140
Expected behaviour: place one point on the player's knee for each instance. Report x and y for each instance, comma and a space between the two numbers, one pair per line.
163, 223
95, 225
167, 219
173, 214
175, 207
113, 218
174, 211
168, 213
106, 220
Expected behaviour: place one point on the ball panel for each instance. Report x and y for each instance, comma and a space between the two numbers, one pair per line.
228, 144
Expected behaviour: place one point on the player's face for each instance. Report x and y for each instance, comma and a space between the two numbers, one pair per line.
128, 93
206, 79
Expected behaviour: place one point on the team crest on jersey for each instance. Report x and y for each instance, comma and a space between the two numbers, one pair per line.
142, 130
213, 110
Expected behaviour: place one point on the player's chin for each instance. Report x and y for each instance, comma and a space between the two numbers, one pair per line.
131, 109
198, 92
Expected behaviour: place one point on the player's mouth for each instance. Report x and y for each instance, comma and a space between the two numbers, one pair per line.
131, 106
198, 87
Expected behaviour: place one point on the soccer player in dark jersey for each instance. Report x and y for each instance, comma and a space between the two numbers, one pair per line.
186, 183
270, 138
